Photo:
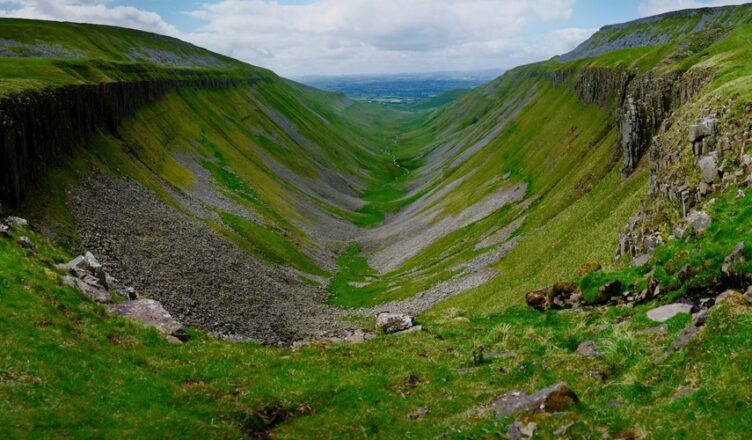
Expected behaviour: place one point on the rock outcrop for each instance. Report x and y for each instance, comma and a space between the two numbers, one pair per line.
643, 102
37, 127
151, 313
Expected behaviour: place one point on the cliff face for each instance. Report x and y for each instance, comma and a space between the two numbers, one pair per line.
644, 106
37, 127
643, 102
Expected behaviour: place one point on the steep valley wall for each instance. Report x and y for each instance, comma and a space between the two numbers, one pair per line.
38, 127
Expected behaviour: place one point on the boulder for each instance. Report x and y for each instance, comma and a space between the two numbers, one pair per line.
552, 399
708, 168
16, 221
698, 221
732, 259
413, 329
74, 265
93, 266
538, 299
393, 322
5, 231
26, 243
97, 294
664, 313
150, 313
588, 349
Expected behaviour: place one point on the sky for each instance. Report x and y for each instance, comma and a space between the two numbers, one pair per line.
297, 38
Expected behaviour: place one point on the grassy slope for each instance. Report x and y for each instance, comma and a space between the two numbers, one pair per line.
359, 390
93, 53
69, 368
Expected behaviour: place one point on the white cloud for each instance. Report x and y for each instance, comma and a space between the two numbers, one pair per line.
352, 36
654, 7
349, 36
86, 11
564, 40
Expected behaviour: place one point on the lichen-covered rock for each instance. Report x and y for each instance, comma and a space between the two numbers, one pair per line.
16, 221
699, 221
393, 322
552, 399
94, 292
150, 313
708, 168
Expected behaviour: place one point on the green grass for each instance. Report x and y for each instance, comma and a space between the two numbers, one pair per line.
270, 245
352, 269
68, 367
702, 256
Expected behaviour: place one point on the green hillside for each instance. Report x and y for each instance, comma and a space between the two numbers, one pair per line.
275, 220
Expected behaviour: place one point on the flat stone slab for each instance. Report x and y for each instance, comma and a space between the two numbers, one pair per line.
149, 312
664, 313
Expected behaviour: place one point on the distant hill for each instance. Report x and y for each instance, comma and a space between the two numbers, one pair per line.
403, 89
